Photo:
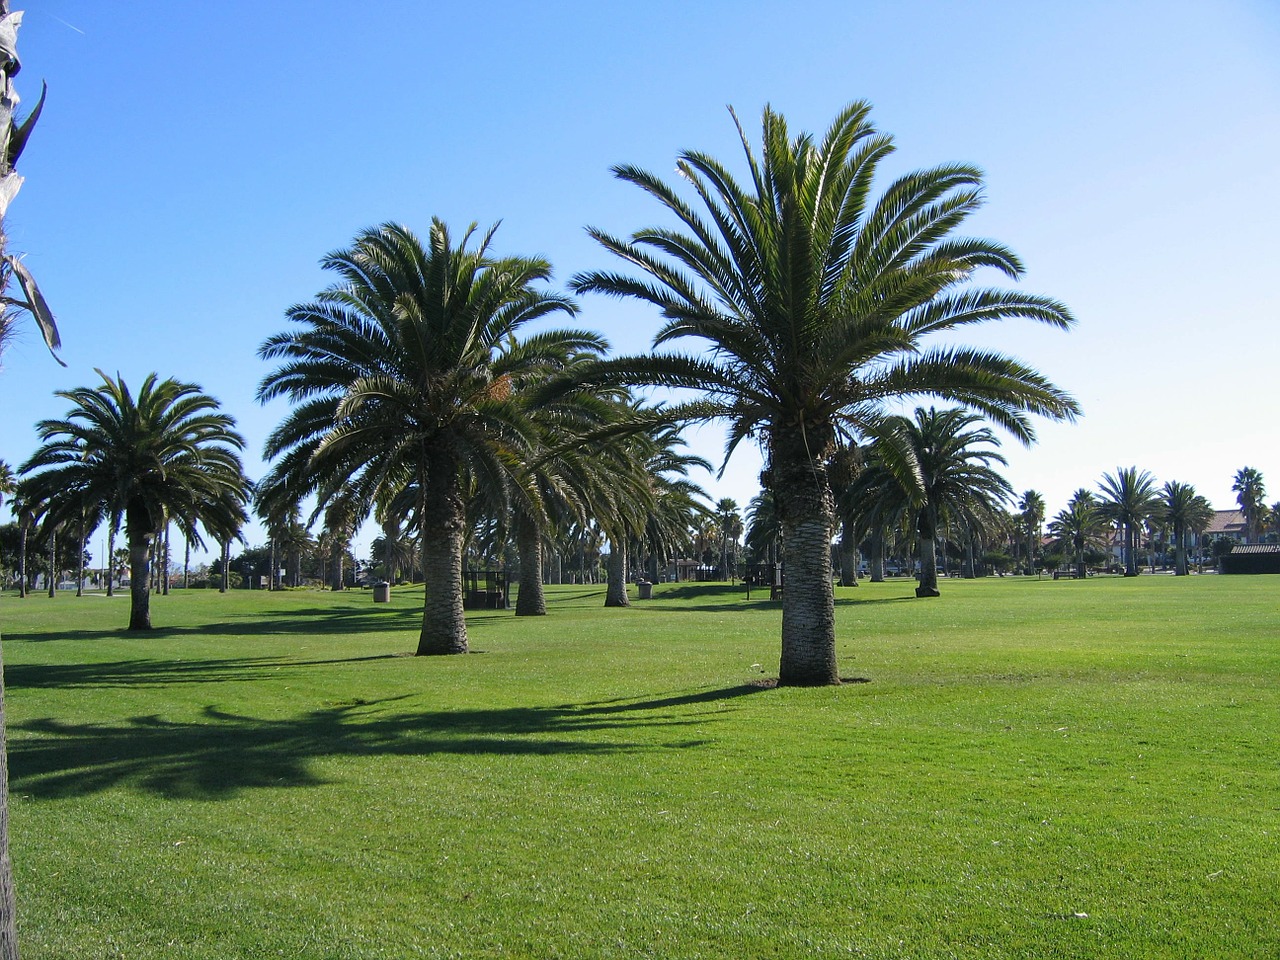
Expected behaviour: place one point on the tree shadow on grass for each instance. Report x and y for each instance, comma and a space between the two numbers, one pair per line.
310, 621
220, 754
149, 673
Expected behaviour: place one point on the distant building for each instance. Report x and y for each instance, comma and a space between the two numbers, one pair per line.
1227, 524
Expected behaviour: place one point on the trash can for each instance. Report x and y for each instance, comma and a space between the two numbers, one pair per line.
382, 592
646, 589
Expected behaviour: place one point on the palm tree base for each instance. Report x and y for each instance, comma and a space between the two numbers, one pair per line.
927, 592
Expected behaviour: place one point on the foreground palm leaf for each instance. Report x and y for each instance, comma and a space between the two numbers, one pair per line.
810, 305
404, 377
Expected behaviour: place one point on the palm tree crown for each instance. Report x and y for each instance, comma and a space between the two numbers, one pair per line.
404, 375
166, 454
808, 304
1251, 493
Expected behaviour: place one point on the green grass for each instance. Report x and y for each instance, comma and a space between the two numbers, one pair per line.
1030, 769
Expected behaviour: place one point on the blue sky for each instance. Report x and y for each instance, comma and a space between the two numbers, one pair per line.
195, 161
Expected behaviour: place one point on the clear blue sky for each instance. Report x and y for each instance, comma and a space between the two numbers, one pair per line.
195, 161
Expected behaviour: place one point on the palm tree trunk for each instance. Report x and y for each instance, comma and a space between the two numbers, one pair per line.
848, 555
1180, 568
530, 602
616, 593
444, 625
140, 538
806, 510
877, 556
338, 561
24, 529
928, 530
53, 563
164, 562
186, 564
226, 563
111, 556
80, 561
1130, 551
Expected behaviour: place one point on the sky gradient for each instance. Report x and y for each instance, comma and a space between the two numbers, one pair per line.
195, 161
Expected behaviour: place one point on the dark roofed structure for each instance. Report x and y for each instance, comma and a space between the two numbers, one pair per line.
1252, 558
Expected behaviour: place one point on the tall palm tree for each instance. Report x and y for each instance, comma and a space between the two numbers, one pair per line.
401, 375
166, 453
1031, 515
1251, 494
1129, 498
1184, 510
809, 305
1080, 527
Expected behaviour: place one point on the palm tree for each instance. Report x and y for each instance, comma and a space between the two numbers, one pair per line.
1079, 527
810, 307
1251, 494
402, 376
1129, 498
1031, 514
1184, 510
957, 482
165, 453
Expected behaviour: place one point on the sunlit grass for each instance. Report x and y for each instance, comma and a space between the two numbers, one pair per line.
1031, 768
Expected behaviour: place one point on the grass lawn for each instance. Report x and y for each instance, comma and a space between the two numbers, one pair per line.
1024, 769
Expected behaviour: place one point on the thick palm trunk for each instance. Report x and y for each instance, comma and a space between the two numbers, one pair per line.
928, 531
1130, 552
444, 625
1180, 567
339, 573
616, 594
877, 556
530, 602
140, 541
806, 510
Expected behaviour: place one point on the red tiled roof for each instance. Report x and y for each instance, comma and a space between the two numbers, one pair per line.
1226, 521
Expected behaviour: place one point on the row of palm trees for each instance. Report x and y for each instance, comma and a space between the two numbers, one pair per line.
1129, 500
424, 389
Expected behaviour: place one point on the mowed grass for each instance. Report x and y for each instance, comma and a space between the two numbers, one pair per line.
1023, 769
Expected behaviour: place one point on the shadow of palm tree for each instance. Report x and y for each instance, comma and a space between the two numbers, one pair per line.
220, 754
146, 673
305, 620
